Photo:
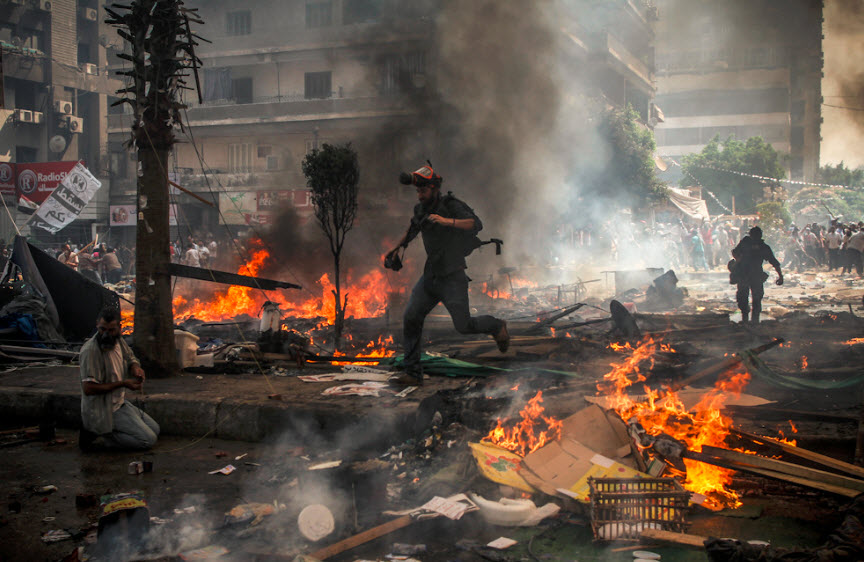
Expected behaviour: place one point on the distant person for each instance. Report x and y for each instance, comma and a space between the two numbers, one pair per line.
68, 257
112, 266
88, 266
108, 368
855, 249
192, 257
747, 273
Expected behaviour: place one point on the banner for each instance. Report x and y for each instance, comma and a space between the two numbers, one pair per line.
34, 182
124, 215
66, 202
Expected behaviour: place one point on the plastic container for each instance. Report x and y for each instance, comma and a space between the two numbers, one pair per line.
187, 348
271, 317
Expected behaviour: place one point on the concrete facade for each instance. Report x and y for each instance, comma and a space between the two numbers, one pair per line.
56, 51
743, 68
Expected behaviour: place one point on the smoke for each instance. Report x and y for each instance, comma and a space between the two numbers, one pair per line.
844, 82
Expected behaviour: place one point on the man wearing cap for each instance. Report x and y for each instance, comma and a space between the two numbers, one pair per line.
749, 254
445, 223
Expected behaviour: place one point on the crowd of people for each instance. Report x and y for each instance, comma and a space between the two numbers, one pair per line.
835, 246
103, 264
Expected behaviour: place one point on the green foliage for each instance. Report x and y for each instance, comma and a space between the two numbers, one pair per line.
333, 174
753, 156
630, 169
773, 215
817, 203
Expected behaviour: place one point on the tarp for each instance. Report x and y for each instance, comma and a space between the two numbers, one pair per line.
438, 365
72, 301
690, 206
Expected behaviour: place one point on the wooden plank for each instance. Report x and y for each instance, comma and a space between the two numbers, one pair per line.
682, 539
708, 459
224, 277
39, 351
786, 468
808, 455
362, 538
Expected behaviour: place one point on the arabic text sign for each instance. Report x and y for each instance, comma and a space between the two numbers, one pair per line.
66, 202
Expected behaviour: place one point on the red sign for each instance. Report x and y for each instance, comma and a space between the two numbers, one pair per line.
35, 182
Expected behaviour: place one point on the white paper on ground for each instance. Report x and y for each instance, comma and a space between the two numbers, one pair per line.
502, 543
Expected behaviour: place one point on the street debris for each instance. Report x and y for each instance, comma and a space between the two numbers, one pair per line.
226, 470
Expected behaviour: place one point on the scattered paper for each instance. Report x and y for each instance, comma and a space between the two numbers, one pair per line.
190, 509
406, 391
501, 543
330, 377
369, 388
448, 508
224, 470
238, 457
56, 536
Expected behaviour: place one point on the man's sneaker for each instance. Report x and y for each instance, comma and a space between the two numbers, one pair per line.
405, 379
86, 440
502, 338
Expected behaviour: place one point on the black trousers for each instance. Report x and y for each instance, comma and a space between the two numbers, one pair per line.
452, 290
745, 288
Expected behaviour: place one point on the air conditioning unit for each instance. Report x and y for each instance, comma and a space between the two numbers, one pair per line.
272, 163
91, 69
23, 115
38, 117
64, 107
90, 14
45, 5
76, 124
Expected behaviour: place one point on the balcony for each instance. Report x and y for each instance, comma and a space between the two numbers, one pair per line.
219, 180
337, 36
294, 107
24, 64
608, 48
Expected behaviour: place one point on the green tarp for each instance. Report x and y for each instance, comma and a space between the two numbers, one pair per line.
758, 368
438, 365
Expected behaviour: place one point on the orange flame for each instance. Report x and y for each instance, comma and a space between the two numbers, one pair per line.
803, 362
700, 425
534, 431
854, 341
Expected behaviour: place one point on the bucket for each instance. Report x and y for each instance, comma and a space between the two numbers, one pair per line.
187, 348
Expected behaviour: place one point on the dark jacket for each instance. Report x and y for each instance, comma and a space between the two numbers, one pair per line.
445, 246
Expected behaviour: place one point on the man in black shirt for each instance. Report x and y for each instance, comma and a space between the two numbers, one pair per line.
749, 254
448, 226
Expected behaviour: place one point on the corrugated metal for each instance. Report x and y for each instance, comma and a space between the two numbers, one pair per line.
64, 32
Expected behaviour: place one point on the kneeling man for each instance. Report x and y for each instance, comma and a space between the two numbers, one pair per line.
106, 365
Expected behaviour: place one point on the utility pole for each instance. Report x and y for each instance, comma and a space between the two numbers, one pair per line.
162, 48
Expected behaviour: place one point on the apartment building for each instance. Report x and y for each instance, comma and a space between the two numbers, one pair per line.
282, 77
743, 68
55, 89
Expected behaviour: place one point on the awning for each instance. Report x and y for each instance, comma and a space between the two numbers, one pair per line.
690, 206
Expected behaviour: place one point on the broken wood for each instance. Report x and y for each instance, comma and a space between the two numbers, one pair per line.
551, 320
39, 351
727, 363
186, 191
675, 538
224, 277
362, 538
805, 454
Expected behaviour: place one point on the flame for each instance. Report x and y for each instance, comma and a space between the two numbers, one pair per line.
854, 341
615, 346
803, 362
701, 425
374, 349
534, 431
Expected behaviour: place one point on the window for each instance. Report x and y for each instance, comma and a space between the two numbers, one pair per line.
241, 90
84, 53
240, 158
25, 154
360, 11
797, 137
264, 150
318, 85
238, 23
402, 73
319, 14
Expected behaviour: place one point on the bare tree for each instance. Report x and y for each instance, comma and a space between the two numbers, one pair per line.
333, 173
162, 47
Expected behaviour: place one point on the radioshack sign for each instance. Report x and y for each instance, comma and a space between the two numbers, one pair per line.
35, 182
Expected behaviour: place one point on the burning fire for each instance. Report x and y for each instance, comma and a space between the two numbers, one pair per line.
700, 425
367, 298
373, 350
854, 341
803, 362
528, 435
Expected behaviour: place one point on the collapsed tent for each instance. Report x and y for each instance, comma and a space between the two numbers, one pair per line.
689, 205
72, 302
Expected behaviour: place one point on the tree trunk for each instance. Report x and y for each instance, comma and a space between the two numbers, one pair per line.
154, 319
339, 320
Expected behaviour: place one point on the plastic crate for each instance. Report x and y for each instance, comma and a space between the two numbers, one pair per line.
621, 508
